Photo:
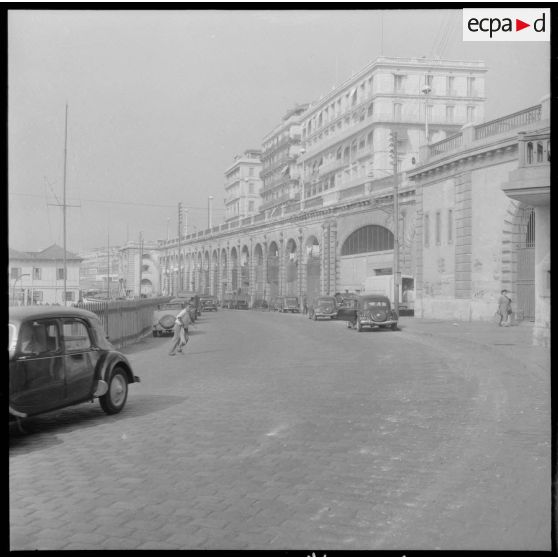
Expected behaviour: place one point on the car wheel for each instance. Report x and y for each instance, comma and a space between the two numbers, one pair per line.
154, 333
115, 398
349, 325
394, 327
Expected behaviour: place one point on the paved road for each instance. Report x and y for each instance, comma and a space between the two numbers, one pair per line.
276, 432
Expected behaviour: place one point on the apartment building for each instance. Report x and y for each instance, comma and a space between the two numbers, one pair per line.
281, 149
38, 277
346, 133
243, 185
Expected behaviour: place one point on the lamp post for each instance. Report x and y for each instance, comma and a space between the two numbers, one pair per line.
209, 223
426, 90
15, 283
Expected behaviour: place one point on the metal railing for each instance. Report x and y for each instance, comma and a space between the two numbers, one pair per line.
125, 321
515, 120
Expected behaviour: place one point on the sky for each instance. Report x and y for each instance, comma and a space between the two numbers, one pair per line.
160, 102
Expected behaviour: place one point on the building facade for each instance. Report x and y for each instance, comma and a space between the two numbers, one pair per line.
243, 185
281, 149
482, 207
38, 277
99, 272
346, 133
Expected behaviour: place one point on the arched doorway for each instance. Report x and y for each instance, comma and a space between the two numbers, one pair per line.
525, 307
259, 273
313, 268
245, 270
366, 252
291, 268
234, 271
215, 272
224, 282
273, 269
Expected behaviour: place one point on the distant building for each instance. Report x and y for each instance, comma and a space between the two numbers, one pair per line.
99, 271
135, 278
280, 151
243, 185
38, 277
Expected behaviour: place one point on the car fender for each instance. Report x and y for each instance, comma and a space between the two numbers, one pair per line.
108, 362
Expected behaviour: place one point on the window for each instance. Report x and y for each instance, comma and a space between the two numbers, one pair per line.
39, 337
438, 227
251, 171
450, 226
76, 335
470, 114
250, 187
449, 85
371, 109
397, 111
471, 87
428, 79
60, 273
15, 272
539, 152
398, 82
250, 206
450, 111
371, 238
37, 273
429, 112
69, 296
426, 229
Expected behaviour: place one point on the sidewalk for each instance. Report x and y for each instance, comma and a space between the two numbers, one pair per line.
515, 341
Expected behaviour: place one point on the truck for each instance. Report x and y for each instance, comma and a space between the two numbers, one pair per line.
383, 284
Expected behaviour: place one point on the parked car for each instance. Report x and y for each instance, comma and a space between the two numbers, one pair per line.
323, 307
346, 306
372, 311
287, 304
193, 299
164, 316
61, 356
208, 303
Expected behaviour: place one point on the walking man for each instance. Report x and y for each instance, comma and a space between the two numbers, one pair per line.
180, 337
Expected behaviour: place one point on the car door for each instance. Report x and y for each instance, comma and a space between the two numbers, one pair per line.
80, 359
37, 371
347, 310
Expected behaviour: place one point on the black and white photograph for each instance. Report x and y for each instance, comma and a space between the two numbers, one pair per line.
279, 279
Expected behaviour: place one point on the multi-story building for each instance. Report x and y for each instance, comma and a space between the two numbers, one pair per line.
243, 185
140, 271
38, 277
280, 151
99, 271
346, 133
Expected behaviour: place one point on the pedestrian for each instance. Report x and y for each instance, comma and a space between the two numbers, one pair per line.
504, 309
180, 337
305, 306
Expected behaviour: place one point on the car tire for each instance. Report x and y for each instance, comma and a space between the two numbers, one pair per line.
394, 327
115, 398
349, 325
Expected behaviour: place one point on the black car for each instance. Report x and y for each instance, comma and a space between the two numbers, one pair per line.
208, 303
371, 311
323, 307
61, 356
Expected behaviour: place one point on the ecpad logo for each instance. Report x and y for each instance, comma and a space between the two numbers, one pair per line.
521, 24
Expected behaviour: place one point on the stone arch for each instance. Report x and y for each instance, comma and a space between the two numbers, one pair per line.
312, 255
234, 270
214, 278
245, 269
291, 267
259, 273
273, 269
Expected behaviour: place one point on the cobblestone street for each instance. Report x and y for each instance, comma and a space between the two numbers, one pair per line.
277, 432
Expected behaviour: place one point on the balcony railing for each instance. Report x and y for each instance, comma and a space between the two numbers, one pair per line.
448, 144
501, 125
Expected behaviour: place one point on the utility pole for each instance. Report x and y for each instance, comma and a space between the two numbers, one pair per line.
179, 285
108, 264
396, 273
64, 205
140, 261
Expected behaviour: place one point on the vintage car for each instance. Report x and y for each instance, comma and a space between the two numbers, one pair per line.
323, 307
346, 306
373, 310
164, 316
60, 356
208, 303
193, 299
287, 304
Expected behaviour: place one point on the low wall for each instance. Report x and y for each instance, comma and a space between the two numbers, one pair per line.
125, 321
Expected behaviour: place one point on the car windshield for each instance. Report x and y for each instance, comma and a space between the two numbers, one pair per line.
325, 301
170, 306
290, 300
373, 304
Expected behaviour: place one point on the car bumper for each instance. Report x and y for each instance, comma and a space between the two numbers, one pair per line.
370, 323
325, 315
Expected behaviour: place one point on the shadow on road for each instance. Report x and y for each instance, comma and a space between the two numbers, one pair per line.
42, 431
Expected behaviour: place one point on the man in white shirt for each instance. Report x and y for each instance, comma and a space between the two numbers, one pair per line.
180, 337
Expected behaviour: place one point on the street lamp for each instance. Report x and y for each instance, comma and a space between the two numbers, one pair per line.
209, 200
426, 89
15, 283
300, 153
